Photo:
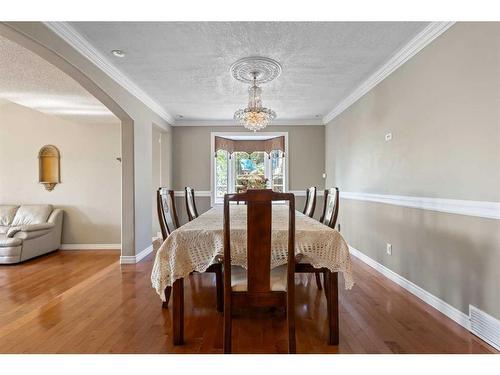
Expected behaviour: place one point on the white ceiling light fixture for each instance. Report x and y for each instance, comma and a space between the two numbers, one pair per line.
255, 71
118, 53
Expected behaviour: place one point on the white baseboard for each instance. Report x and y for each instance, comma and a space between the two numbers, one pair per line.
440, 305
126, 259
133, 259
91, 246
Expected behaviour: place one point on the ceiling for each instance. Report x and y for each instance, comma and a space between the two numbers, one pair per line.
28, 80
184, 66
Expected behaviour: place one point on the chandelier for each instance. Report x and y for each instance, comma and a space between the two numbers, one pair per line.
255, 70
254, 117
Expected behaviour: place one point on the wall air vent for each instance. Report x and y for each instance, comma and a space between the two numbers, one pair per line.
485, 326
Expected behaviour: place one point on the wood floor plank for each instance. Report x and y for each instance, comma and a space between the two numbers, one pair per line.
86, 302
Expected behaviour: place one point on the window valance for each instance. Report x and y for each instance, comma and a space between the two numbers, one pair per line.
249, 146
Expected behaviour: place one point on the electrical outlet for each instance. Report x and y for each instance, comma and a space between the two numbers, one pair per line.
388, 136
388, 249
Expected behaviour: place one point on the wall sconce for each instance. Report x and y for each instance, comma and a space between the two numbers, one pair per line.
49, 166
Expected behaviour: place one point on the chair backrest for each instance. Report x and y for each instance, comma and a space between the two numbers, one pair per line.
259, 222
330, 207
167, 214
190, 203
310, 205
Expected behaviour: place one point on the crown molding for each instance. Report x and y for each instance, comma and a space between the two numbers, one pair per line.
215, 123
415, 45
83, 46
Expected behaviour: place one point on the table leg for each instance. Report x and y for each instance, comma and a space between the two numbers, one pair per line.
325, 282
178, 312
168, 291
333, 309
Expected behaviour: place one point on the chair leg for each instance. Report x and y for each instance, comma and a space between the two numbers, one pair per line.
219, 286
290, 317
318, 280
168, 291
326, 283
227, 329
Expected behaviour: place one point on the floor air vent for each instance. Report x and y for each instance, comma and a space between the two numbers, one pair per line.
485, 326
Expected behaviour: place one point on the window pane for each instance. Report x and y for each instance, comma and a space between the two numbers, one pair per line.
221, 164
277, 171
249, 171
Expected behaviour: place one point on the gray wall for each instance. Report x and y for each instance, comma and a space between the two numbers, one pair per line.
161, 148
191, 159
443, 109
156, 176
89, 192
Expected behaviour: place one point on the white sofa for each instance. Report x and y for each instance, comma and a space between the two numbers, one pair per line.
28, 231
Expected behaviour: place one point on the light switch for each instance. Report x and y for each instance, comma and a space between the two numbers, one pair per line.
388, 249
388, 136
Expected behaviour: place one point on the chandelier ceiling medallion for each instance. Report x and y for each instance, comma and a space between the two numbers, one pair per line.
255, 71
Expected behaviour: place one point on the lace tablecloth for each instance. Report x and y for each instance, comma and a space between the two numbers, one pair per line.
199, 243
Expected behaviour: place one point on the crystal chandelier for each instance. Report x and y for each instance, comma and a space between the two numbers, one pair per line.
254, 117
255, 70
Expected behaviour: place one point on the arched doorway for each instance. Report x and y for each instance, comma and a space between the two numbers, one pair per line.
127, 232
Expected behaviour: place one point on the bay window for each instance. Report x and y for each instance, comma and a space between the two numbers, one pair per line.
237, 171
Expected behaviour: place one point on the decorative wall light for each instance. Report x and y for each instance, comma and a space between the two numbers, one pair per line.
49, 166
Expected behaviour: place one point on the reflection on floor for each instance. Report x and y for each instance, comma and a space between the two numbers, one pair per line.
85, 302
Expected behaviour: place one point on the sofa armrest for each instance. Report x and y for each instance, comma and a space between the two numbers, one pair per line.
56, 216
30, 229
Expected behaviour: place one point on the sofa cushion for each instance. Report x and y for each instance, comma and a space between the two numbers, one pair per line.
10, 254
9, 242
7, 213
32, 214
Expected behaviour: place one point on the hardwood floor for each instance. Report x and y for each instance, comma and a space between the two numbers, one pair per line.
85, 302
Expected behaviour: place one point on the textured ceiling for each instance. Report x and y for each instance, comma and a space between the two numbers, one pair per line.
29, 80
184, 66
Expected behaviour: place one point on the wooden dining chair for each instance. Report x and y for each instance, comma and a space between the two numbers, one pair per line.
259, 286
330, 207
329, 218
192, 212
167, 217
167, 214
309, 209
310, 205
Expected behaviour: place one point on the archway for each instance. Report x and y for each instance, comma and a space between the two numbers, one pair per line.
127, 129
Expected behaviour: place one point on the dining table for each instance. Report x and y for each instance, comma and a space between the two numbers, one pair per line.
198, 244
